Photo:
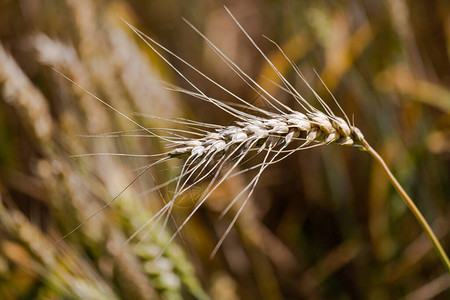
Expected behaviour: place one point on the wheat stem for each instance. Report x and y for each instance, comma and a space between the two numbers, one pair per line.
416, 212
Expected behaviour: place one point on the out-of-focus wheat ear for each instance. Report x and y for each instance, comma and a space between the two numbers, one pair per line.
25, 97
60, 272
411, 205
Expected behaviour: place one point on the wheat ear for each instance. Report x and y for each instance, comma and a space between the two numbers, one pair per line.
281, 128
209, 150
275, 129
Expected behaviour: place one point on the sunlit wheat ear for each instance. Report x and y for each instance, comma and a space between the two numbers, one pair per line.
214, 153
264, 131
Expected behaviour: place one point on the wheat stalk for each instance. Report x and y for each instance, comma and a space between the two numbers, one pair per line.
411, 205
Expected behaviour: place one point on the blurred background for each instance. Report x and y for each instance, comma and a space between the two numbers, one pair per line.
322, 224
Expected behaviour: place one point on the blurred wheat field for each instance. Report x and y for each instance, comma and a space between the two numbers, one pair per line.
322, 224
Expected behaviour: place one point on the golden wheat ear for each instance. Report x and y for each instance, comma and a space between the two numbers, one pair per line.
266, 131
217, 151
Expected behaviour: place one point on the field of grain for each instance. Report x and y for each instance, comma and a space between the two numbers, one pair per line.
324, 223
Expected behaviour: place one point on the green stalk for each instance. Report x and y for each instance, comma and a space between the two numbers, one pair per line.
416, 212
